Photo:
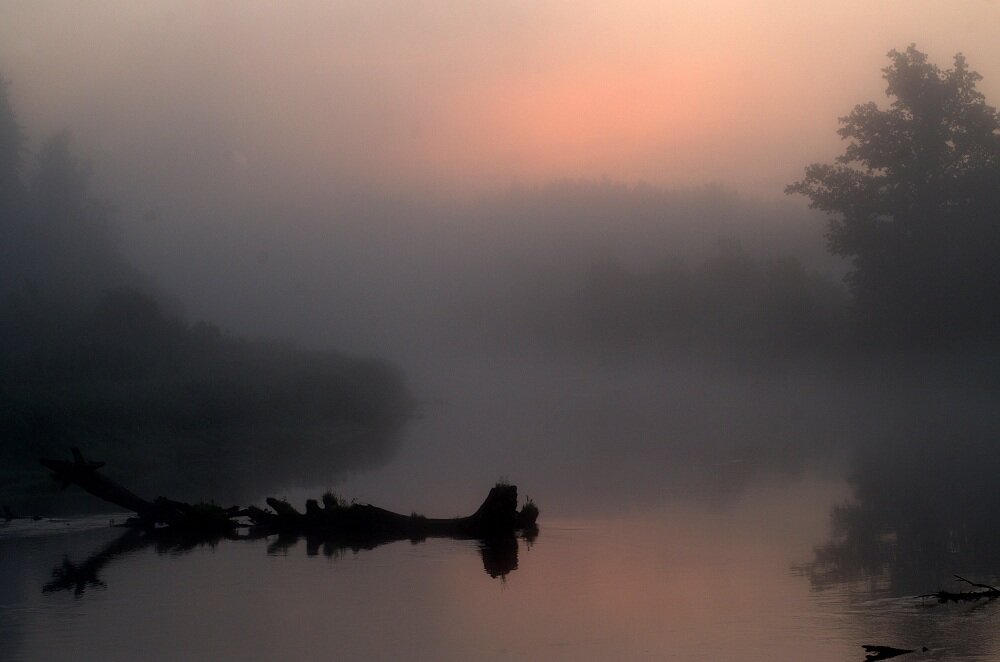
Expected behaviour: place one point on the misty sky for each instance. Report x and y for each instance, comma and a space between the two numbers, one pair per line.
269, 163
439, 243
198, 101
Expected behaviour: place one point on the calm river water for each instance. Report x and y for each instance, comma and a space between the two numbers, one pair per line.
686, 581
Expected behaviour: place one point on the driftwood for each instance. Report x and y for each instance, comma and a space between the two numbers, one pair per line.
497, 516
84, 474
990, 593
355, 524
175, 526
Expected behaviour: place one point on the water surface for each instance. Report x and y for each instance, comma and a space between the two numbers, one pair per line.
680, 581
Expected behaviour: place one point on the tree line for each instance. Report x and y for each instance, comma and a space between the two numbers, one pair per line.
912, 206
91, 356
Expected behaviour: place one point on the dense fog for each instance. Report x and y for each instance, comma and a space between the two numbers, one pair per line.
220, 320
94, 357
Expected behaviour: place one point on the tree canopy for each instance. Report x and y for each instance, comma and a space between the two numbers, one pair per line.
915, 204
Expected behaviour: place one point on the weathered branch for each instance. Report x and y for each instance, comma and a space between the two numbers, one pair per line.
84, 474
986, 586
990, 593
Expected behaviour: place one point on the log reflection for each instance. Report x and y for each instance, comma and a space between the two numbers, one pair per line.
499, 554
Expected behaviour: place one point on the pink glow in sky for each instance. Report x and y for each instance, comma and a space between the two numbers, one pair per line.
470, 94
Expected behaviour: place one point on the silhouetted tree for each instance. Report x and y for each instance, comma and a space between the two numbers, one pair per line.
915, 200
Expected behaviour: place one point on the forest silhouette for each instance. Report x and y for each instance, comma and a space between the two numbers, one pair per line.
91, 355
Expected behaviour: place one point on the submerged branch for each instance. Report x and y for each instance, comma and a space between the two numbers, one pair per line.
986, 586
990, 593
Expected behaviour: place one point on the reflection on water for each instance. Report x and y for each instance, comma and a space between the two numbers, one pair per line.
919, 515
924, 509
78, 576
689, 581
499, 554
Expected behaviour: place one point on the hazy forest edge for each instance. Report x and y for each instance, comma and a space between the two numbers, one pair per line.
912, 207
92, 356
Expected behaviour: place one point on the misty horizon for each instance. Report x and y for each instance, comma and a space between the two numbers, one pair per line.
712, 290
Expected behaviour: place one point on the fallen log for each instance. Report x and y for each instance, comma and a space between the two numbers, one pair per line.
83, 473
497, 517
